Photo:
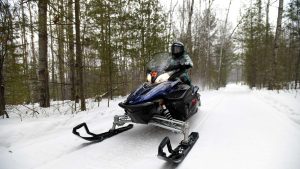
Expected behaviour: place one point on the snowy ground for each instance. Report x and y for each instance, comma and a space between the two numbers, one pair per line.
238, 129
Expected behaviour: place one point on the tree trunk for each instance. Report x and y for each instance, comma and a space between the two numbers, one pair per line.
53, 73
34, 76
259, 11
110, 58
207, 63
3, 52
71, 49
79, 56
2, 98
297, 64
253, 65
222, 43
189, 28
276, 46
266, 52
60, 55
183, 17
24, 50
297, 70
43, 62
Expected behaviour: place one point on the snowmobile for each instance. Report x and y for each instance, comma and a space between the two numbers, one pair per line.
163, 101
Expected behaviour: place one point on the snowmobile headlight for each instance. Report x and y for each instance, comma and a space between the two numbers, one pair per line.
162, 78
148, 77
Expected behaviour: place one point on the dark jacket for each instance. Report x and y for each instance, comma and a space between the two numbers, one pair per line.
184, 63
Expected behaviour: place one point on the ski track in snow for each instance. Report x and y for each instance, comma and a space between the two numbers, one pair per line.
238, 128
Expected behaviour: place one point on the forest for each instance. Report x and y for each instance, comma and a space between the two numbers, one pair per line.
71, 50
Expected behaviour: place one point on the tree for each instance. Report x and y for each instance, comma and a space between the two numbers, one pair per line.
33, 76
223, 38
293, 15
256, 49
79, 65
25, 74
71, 49
5, 37
127, 35
43, 51
116, 40
189, 27
203, 56
276, 46
60, 54
267, 44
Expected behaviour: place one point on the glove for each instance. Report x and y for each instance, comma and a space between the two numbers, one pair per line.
178, 66
185, 66
172, 67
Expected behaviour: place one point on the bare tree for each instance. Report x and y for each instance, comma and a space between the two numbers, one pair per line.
79, 57
276, 46
71, 49
189, 28
33, 75
43, 46
24, 48
60, 56
207, 75
267, 43
223, 37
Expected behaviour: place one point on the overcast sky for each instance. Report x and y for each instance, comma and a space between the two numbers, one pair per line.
237, 8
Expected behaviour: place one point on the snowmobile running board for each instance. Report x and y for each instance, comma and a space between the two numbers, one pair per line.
99, 137
180, 152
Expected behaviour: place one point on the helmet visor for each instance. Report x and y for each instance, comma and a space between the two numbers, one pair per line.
177, 49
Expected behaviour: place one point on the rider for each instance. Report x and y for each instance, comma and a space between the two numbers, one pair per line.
180, 60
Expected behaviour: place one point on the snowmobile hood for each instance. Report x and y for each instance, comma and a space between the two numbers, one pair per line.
146, 93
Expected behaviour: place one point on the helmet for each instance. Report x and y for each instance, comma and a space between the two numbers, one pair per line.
177, 49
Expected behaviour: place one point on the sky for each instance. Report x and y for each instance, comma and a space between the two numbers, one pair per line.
237, 8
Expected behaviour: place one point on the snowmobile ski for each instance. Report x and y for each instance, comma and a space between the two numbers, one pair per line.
180, 152
99, 137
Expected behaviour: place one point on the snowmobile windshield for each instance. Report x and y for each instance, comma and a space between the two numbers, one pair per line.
159, 62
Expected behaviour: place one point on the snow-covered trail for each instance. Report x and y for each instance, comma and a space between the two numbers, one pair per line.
244, 131
238, 129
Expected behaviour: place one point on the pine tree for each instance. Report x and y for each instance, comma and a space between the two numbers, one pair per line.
5, 38
293, 15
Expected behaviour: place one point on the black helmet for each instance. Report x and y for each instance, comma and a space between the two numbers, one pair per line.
177, 49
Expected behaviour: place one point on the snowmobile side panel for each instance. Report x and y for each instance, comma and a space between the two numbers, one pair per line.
182, 103
180, 152
99, 137
140, 113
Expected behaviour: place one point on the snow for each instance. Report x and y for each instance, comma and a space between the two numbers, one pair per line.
238, 128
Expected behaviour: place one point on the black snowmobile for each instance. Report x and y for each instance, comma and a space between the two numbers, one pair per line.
162, 101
